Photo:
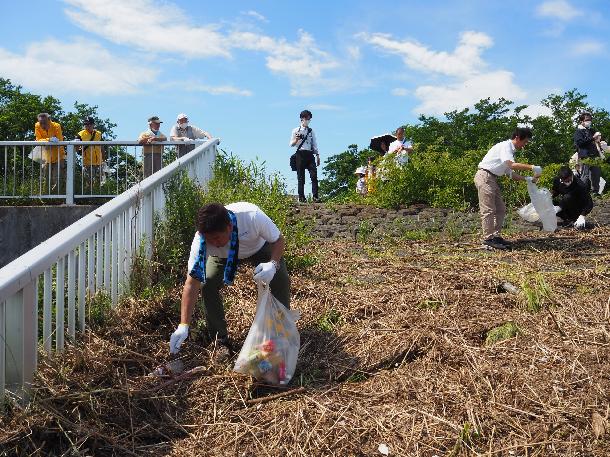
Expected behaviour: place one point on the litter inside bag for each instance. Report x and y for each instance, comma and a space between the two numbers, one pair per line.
271, 348
528, 213
543, 204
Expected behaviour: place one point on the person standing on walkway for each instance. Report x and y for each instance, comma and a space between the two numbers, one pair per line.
183, 131
153, 154
53, 157
500, 161
226, 235
307, 155
91, 155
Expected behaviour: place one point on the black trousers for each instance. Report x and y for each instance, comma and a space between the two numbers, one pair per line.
573, 205
307, 161
590, 175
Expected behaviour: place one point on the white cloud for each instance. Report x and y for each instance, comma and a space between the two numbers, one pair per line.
164, 28
225, 89
324, 107
536, 110
255, 15
464, 61
400, 92
587, 48
558, 9
79, 66
456, 96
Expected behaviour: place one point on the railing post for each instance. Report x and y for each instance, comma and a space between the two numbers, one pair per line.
70, 176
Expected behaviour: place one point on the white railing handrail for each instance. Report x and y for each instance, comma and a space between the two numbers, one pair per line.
102, 143
30, 265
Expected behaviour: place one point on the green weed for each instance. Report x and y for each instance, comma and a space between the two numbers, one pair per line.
100, 309
536, 293
503, 332
330, 320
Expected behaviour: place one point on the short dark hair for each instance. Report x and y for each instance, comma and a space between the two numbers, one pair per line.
583, 115
564, 172
212, 218
305, 114
522, 133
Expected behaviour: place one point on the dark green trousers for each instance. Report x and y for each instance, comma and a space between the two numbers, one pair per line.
212, 299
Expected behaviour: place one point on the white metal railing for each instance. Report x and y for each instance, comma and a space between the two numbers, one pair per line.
94, 254
23, 173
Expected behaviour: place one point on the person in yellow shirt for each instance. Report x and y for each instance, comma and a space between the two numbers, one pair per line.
53, 157
152, 153
92, 155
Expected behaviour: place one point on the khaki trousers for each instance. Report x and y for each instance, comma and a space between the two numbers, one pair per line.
152, 163
491, 205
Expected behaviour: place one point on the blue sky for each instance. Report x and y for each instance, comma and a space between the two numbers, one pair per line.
244, 70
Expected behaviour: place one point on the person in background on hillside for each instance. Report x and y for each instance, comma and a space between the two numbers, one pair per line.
307, 155
586, 148
225, 235
183, 131
92, 155
53, 157
572, 196
153, 154
401, 147
361, 182
600, 145
500, 161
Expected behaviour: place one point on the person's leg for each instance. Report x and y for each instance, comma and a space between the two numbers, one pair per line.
212, 300
500, 208
280, 284
301, 175
157, 161
585, 174
487, 201
148, 165
313, 175
595, 173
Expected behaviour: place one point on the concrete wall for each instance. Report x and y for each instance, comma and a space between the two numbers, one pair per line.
24, 227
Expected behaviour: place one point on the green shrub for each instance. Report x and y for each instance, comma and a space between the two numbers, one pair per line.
536, 293
501, 333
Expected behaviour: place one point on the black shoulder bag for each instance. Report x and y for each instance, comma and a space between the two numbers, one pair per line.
293, 157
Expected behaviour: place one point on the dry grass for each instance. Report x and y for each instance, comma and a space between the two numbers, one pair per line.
403, 362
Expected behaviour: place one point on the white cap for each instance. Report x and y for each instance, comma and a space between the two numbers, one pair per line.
597, 134
360, 171
181, 116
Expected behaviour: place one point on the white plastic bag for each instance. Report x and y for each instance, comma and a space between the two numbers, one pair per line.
543, 204
528, 213
36, 154
271, 348
602, 185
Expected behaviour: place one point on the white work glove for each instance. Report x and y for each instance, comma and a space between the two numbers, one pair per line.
54, 139
557, 208
537, 170
529, 179
177, 338
264, 272
580, 222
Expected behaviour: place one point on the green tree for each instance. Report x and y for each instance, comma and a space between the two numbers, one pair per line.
339, 176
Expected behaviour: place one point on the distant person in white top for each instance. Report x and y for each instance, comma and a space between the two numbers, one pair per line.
183, 131
401, 147
308, 157
361, 183
225, 235
499, 161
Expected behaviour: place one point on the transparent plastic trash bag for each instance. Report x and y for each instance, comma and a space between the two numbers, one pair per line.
36, 154
271, 348
528, 213
543, 204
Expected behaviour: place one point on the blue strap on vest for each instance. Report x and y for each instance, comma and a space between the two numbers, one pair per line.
198, 271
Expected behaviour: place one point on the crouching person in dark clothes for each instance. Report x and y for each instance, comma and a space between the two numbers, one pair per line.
572, 197
226, 235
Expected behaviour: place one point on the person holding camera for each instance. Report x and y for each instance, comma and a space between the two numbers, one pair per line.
307, 156
585, 146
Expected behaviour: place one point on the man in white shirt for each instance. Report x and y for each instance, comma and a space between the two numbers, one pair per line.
500, 161
182, 131
307, 155
224, 236
401, 147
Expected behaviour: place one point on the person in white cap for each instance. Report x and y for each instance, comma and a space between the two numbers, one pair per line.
361, 183
182, 131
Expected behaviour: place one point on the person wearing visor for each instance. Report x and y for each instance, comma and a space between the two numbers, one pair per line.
153, 153
500, 161
572, 198
183, 131
225, 236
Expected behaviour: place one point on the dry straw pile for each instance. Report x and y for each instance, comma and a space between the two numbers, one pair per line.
408, 348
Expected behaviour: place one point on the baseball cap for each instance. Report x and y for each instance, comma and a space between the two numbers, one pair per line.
597, 134
155, 119
181, 116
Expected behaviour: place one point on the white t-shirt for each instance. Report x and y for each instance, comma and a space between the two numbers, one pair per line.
397, 144
198, 134
310, 144
496, 158
254, 228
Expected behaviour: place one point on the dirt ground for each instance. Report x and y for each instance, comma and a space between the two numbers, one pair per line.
399, 356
